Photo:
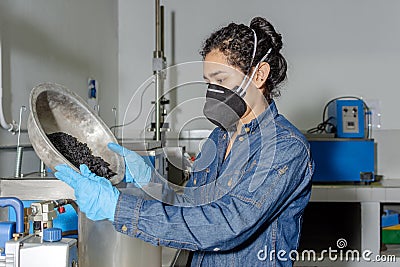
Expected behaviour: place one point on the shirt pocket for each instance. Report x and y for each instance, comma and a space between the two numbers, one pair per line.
232, 181
239, 183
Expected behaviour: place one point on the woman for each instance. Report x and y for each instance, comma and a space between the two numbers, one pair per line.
244, 202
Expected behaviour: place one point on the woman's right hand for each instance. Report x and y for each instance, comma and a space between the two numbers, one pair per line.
136, 169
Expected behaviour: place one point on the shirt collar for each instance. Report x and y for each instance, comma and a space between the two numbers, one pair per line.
262, 120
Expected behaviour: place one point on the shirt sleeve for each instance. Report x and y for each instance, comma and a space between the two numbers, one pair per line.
225, 222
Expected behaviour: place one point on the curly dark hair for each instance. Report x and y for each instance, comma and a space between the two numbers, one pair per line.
236, 42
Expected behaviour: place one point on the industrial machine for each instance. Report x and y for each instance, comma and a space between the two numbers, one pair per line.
45, 247
341, 145
348, 117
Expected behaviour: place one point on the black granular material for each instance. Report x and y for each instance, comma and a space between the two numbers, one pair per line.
79, 153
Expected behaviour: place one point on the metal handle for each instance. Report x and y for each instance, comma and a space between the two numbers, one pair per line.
19, 210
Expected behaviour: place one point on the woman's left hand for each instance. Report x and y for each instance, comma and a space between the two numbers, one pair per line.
95, 195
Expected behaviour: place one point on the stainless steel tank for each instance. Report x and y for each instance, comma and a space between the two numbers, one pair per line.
54, 108
101, 246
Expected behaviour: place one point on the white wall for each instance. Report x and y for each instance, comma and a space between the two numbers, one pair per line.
58, 41
333, 48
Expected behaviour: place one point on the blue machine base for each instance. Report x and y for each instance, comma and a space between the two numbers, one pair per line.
343, 160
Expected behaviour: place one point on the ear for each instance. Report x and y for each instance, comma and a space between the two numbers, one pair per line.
261, 75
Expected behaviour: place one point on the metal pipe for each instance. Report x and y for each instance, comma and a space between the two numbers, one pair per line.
369, 123
157, 107
162, 29
158, 62
21, 110
114, 110
20, 149
11, 127
158, 26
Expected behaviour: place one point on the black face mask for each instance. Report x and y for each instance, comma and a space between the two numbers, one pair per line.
223, 106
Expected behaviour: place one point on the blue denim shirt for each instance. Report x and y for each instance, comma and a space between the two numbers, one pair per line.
242, 210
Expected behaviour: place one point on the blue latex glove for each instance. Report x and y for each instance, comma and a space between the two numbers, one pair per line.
137, 171
95, 195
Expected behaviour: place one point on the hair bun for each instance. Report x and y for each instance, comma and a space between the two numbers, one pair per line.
260, 24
